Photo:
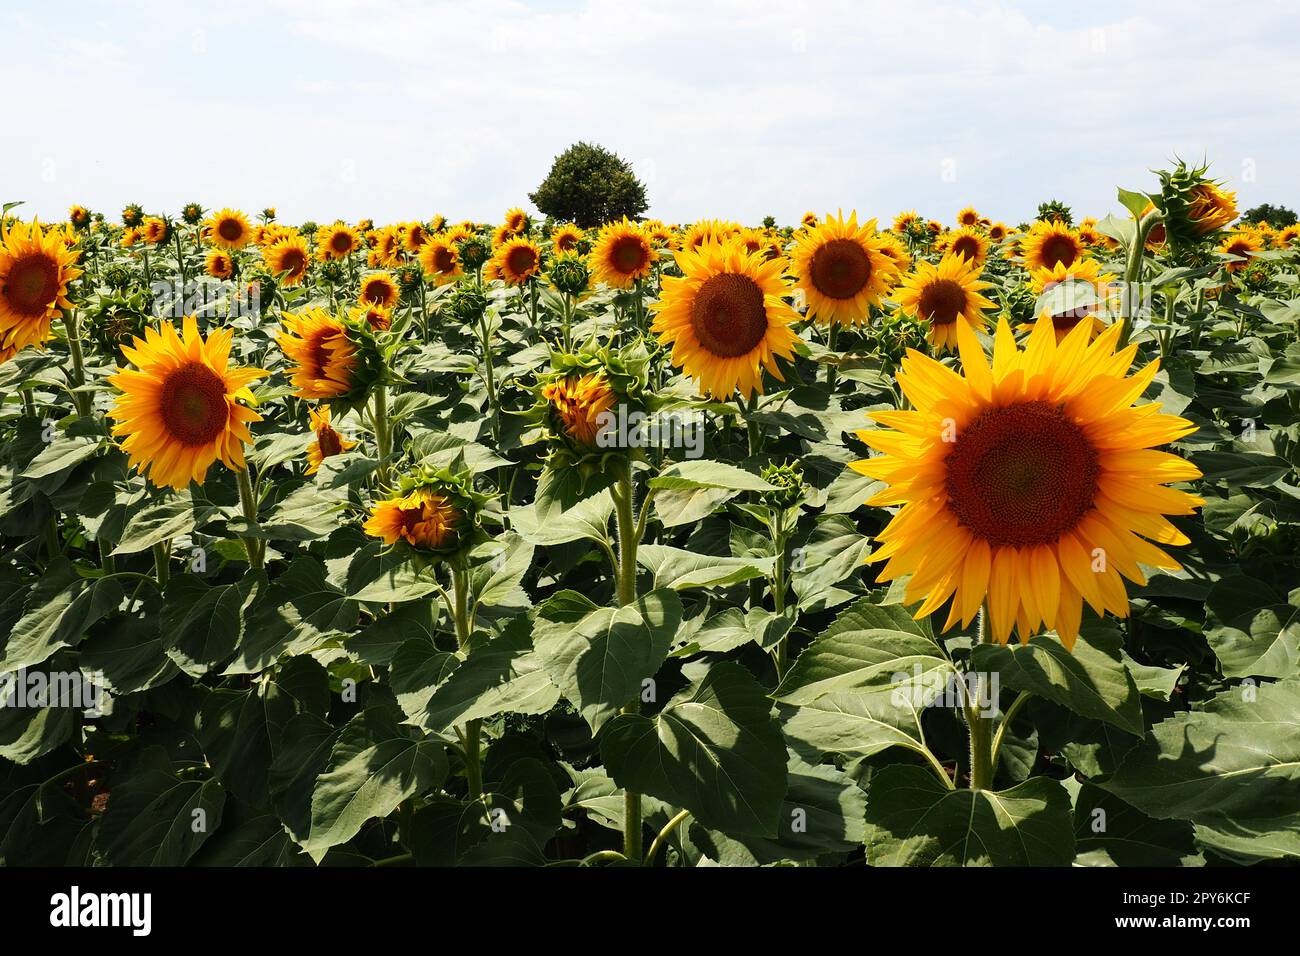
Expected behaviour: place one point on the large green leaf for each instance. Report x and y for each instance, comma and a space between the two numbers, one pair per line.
1090, 679
1253, 632
162, 520
599, 656
688, 491
1232, 768
58, 613
714, 750
914, 820
678, 569
1110, 832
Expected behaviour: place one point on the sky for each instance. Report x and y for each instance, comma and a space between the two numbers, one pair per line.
737, 109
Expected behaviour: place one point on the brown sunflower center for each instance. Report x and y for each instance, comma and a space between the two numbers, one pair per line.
628, 255
966, 246
565, 241
520, 260
942, 301
32, 284
840, 269
341, 242
443, 260
329, 441
230, 229
193, 404
293, 262
1021, 475
728, 314
1059, 249
376, 291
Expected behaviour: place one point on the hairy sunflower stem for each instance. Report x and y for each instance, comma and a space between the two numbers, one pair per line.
161, 563
80, 400
472, 732
383, 432
248, 501
1133, 272
626, 526
979, 726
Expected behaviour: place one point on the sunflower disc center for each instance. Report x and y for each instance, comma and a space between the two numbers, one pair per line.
840, 269
728, 315
33, 284
1059, 249
230, 230
942, 301
194, 407
521, 260
1021, 475
628, 255
966, 246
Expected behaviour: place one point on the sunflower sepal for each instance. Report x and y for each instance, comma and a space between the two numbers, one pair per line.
1192, 207
451, 525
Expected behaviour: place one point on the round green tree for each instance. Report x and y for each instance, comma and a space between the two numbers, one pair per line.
589, 185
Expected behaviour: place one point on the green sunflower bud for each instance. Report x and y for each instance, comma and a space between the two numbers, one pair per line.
788, 479
473, 252
570, 275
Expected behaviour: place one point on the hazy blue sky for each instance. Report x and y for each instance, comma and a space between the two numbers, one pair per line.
400, 109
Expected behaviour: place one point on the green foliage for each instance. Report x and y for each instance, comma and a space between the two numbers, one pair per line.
1279, 217
589, 185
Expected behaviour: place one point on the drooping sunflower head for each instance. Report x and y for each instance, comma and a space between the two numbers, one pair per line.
622, 254
941, 295
515, 261
1029, 487
726, 318
577, 402
228, 229
969, 243
287, 259
36, 267
219, 264
379, 288
968, 217
1049, 242
565, 238
439, 259
337, 242
323, 356
179, 409
436, 513
842, 269
375, 317
327, 442
79, 217
1194, 206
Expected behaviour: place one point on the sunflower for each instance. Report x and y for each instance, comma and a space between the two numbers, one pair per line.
328, 442
1048, 243
423, 519
658, 232
132, 214
36, 267
155, 230
1286, 237
998, 231
622, 254
129, 238
379, 288
322, 355
337, 242
578, 402
287, 258
941, 295
179, 408
842, 269
1210, 208
515, 261
501, 235
1242, 244
376, 316
710, 230
228, 229
413, 236
809, 219
218, 264
726, 317
905, 220
1085, 271
969, 243
894, 247
968, 217
565, 238
516, 221
1044, 497
79, 216
387, 245
439, 259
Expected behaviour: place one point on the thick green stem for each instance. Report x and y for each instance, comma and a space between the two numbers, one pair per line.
832, 370
80, 399
980, 727
383, 431
248, 501
161, 564
626, 583
1133, 272
664, 834
781, 653
472, 732
1004, 725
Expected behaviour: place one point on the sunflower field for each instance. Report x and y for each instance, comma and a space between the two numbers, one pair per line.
856, 541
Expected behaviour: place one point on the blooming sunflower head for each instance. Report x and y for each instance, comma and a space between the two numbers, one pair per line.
337, 242
287, 258
906, 220
843, 269
219, 264
1048, 242
179, 409
941, 295
413, 236
379, 288
1069, 295
622, 254
565, 238
329, 358
440, 260
726, 318
515, 261
326, 442
155, 230
434, 514
969, 243
228, 229
968, 217
1241, 245
516, 221
1287, 237
36, 267
998, 231
1029, 487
